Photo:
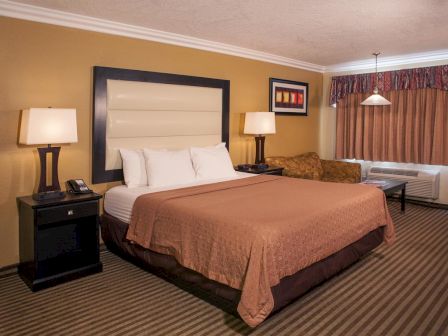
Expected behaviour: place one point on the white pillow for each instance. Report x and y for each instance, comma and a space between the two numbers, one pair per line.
220, 145
212, 162
134, 168
165, 168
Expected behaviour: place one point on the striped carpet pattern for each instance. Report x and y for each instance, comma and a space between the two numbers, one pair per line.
399, 290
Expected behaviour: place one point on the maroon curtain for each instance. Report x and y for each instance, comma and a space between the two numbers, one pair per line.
413, 129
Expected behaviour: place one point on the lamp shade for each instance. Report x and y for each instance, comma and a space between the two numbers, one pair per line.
376, 100
259, 123
48, 126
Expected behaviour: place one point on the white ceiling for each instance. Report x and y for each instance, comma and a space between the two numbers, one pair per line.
321, 32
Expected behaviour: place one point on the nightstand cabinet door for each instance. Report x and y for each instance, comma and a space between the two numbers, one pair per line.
59, 240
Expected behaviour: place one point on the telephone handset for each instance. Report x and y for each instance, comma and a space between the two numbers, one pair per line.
77, 187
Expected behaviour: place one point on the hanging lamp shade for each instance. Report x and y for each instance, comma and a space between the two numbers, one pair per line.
376, 99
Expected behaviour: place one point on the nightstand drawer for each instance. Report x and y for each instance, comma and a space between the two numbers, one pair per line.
66, 212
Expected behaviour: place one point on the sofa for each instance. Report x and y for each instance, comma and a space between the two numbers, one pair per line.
310, 166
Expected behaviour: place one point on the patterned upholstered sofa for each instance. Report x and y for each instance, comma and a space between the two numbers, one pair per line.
310, 166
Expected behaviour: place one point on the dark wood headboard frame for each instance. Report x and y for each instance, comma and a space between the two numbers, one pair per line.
100, 77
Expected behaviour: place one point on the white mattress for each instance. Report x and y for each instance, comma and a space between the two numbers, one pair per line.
118, 201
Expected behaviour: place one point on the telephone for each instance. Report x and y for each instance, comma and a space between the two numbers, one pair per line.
77, 187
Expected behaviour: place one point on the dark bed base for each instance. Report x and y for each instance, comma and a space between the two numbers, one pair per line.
113, 232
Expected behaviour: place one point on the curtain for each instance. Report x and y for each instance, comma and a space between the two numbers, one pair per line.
413, 129
435, 77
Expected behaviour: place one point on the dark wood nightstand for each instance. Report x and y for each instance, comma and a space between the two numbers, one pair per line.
271, 170
59, 239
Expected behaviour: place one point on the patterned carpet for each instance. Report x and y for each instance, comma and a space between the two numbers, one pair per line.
399, 290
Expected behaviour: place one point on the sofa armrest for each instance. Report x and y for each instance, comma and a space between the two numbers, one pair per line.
341, 171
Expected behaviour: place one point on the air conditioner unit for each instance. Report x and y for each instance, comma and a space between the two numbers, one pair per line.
421, 183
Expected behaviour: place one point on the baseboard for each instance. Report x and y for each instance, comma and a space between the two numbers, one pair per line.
8, 270
422, 203
428, 204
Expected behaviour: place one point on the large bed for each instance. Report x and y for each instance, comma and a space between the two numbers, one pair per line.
256, 242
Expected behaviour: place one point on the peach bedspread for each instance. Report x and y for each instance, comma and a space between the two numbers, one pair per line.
250, 233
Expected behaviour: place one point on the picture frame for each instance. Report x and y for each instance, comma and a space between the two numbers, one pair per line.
288, 97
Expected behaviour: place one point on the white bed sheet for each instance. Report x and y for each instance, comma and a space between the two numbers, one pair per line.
118, 201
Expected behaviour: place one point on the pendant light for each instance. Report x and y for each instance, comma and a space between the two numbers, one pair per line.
376, 99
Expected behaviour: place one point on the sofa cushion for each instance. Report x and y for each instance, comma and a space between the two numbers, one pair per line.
309, 166
305, 166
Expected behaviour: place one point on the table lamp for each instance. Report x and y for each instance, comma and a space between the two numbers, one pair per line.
48, 126
259, 123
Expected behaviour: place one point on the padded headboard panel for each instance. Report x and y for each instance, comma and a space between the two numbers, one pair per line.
138, 109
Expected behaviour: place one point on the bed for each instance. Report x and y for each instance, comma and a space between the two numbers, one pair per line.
281, 237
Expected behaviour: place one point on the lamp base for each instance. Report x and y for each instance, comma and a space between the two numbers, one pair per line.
48, 195
45, 191
259, 149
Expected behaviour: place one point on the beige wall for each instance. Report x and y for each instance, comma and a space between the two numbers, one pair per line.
43, 65
327, 127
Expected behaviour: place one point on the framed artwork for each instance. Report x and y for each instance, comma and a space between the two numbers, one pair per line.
288, 97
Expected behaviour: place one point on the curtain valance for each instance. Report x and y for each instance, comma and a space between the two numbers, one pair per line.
435, 77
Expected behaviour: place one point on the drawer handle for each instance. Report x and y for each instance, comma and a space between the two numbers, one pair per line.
70, 212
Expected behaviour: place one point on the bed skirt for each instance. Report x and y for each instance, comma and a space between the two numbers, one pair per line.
113, 232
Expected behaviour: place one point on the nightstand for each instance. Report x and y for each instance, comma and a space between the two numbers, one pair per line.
59, 239
271, 170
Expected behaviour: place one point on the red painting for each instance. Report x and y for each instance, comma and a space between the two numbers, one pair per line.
288, 97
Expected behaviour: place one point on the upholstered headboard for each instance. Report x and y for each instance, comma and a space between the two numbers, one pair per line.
140, 109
